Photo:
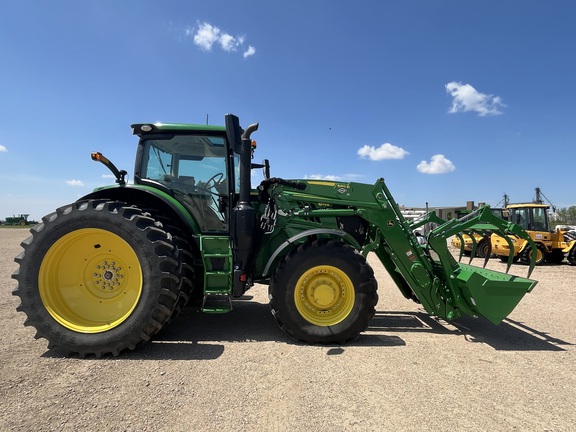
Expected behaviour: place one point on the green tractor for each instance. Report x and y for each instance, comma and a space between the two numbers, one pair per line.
105, 273
21, 219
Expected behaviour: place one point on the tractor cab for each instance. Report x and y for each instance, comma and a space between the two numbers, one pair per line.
206, 168
197, 167
530, 217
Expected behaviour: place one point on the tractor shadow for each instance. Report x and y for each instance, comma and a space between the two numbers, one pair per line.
198, 336
509, 335
194, 335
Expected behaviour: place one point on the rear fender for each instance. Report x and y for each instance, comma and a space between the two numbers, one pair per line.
538, 244
523, 246
146, 196
571, 245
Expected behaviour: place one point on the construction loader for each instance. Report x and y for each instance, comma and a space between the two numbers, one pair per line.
105, 273
550, 245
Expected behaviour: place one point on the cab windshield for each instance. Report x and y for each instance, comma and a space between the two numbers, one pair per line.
194, 167
530, 218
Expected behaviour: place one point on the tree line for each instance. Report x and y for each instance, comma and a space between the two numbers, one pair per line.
566, 216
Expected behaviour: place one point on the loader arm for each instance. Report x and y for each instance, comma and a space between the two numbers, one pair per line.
427, 274
444, 287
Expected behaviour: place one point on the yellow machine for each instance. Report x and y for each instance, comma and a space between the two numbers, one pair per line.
551, 245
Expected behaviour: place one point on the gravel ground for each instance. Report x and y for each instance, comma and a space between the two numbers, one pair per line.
240, 372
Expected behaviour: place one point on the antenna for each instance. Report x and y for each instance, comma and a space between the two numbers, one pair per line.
206, 119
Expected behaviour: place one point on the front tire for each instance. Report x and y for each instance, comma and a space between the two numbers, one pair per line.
504, 258
483, 249
97, 277
526, 255
323, 292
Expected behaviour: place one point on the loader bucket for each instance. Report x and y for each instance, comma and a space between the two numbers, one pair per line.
473, 290
490, 293
431, 274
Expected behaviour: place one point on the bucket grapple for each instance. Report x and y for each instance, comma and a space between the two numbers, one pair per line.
488, 293
448, 288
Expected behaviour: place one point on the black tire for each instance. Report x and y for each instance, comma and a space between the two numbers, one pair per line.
186, 260
572, 256
555, 257
97, 277
527, 253
483, 249
504, 258
343, 313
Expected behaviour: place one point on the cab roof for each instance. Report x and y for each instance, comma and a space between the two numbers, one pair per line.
150, 128
528, 205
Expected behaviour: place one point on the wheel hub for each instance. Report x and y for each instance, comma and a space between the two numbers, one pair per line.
107, 278
324, 295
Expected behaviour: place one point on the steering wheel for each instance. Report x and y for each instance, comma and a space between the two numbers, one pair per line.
216, 179
212, 182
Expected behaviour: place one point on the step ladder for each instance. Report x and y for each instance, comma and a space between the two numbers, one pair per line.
217, 260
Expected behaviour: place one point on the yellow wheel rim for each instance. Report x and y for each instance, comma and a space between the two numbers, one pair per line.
539, 256
90, 280
324, 295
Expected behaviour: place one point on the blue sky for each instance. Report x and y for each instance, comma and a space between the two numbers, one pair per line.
449, 101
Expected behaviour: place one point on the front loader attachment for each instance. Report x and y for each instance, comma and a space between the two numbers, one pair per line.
445, 287
490, 293
479, 291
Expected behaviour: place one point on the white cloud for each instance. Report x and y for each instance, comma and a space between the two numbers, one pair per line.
331, 177
467, 98
230, 43
249, 52
207, 35
322, 177
75, 182
385, 151
3, 149
111, 176
438, 165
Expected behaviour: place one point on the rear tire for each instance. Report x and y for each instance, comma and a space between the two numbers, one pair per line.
186, 259
97, 277
572, 256
323, 292
555, 257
